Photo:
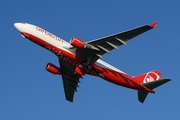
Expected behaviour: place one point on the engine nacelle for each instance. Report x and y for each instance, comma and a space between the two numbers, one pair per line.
76, 42
53, 69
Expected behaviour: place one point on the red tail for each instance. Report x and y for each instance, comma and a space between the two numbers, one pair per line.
147, 77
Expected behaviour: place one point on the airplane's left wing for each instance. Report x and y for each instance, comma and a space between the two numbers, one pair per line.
70, 80
105, 45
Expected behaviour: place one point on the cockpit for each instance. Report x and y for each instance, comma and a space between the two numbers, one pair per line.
27, 24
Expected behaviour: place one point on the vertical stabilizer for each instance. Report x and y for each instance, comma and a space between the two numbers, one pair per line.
147, 77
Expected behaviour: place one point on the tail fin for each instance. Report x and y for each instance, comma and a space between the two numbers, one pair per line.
147, 77
151, 85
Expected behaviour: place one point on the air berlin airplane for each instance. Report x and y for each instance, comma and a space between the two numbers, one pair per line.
78, 58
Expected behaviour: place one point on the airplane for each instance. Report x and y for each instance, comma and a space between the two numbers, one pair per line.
78, 58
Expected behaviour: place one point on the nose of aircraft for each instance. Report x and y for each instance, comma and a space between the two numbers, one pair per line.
18, 26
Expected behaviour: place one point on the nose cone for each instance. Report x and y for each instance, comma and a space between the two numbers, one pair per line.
18, 26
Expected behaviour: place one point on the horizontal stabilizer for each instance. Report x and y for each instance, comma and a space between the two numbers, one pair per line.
151, 85
154, 84
142, 95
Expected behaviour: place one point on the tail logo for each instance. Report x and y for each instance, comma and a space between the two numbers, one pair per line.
151, 76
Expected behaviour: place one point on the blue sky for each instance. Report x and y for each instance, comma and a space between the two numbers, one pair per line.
29, 92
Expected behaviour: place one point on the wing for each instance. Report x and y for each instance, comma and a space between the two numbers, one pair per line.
106, 44
70, 80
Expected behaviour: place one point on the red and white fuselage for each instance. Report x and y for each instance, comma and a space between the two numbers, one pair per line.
60, 48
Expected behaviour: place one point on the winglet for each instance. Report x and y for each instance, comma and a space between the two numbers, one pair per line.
153, 24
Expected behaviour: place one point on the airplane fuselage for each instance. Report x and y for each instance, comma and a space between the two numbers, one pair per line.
60, 48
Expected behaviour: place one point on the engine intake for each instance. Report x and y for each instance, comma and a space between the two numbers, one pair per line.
76, 42
53, 69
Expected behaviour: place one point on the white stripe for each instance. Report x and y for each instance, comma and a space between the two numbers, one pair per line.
103, 64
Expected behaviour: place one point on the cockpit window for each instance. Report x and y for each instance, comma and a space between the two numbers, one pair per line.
23, 23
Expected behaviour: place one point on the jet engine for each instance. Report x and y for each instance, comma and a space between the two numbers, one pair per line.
53, 69
76, 42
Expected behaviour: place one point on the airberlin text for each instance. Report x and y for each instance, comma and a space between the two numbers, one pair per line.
62, 57
49, 34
